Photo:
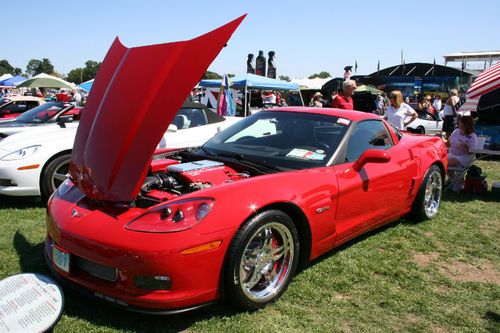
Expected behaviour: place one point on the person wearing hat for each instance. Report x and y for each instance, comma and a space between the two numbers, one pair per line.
316, 100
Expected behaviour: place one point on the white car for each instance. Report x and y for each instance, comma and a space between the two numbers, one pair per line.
426, 124
36, 162
51, 114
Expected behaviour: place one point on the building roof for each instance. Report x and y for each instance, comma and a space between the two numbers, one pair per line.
420, 69
473, 56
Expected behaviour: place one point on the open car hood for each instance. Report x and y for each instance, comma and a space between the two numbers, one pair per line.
135, 96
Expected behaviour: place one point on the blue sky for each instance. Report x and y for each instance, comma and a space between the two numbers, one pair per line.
307, 36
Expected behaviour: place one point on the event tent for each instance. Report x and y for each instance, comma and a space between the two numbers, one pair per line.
87, 85
5, 77
46, 81
252, 81
315, 83
15, 80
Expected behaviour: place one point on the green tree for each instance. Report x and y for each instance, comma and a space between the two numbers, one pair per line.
32, 67
17, 71
5, 67
36, 66
321, 75
211, 76
284, 78
89, 72
75, 76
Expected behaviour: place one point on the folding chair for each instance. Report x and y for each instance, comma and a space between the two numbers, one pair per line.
456, 177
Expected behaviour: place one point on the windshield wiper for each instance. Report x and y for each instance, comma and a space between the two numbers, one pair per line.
245, 160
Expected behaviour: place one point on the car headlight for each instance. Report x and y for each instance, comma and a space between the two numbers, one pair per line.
63, 188
173, 217
20, 153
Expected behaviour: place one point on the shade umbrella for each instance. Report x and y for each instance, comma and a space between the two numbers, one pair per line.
46, 81
486, 82
364, 88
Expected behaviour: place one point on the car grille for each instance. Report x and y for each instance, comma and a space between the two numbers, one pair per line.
101, 271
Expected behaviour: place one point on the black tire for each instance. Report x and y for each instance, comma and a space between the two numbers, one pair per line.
426, 204
52, 175
241, 283
420, 130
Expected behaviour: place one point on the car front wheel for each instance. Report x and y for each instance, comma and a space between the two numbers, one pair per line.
261, 260
54, 174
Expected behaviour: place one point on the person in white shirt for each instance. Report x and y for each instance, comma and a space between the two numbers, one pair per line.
437, 103
398, 112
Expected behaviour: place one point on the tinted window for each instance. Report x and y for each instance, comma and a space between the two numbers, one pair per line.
42, 113
288, 140
370, 134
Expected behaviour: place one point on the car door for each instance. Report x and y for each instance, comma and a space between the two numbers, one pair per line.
378, 191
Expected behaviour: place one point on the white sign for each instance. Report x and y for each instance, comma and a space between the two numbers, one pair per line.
29, 303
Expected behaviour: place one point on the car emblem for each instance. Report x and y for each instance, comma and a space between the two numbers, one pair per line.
75, 213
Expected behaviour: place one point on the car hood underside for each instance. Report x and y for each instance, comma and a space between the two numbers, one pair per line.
134, 98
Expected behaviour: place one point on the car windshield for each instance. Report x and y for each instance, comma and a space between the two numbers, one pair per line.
281, 140
43, 113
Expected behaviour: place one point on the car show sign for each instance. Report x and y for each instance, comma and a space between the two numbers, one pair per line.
29, 302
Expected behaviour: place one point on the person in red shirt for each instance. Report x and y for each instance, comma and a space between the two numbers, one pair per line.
343, 100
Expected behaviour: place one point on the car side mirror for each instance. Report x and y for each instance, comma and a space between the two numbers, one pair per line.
371, 156
172, 128
65, 119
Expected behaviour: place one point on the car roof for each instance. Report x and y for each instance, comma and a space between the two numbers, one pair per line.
24, 98
348, 114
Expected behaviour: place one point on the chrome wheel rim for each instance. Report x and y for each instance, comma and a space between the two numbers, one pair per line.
433, 194
266, 262
59, 175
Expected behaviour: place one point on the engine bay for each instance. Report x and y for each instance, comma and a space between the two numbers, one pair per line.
174, 176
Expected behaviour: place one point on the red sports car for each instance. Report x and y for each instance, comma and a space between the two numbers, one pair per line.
235, 218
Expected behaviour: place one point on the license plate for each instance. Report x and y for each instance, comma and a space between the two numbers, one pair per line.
60, 258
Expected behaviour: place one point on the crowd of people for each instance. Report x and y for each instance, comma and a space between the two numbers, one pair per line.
74, 96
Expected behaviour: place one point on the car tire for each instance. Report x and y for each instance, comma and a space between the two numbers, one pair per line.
261, 260
426, 204
420, 130
53, 174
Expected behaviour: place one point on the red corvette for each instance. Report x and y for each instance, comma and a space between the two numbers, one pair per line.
235, 218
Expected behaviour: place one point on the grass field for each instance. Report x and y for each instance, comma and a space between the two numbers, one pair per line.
437, 276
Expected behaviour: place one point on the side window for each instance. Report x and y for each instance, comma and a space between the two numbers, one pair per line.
31, 105
197, 118
370, 134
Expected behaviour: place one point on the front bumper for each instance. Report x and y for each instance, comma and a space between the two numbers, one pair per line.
194, 278
22, 182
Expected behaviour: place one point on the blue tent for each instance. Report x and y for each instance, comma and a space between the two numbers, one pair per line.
86, 85
13, 81
252, 81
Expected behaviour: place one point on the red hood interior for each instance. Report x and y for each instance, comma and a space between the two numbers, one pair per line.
134, 98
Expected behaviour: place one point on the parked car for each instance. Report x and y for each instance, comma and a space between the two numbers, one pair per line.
426, 124
13, 106
35, 161
234, 218
51, 114
237, 217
